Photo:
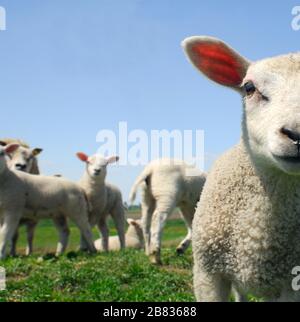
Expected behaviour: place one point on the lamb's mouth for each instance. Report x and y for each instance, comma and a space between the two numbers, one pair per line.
288, 159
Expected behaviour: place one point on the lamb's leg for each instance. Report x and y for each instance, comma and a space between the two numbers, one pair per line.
118, 216
61, 225
187, 215
183, 246
103, 228
7, 230
13, 248
30, 228
239, 296
163, 210
85, 229
148, 206
83, 243
210, 287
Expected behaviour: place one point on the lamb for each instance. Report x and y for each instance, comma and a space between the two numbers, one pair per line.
23, 194
247, 223
166, 184
105, 199
25, 159
133, 238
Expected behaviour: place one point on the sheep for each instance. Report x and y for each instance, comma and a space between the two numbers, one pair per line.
25, 159
133, 238
166, 184
104, 198
247, 222
23, 194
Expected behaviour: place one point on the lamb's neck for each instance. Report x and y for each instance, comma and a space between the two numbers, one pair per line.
5, 174
35, 168
93, 184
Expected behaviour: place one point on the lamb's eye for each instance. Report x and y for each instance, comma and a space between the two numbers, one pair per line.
249, 88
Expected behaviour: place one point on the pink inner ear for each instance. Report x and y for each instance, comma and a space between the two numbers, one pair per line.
11, 148
82, 156
218, 63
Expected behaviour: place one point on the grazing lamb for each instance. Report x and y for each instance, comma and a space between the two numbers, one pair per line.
133, 238
167, 184
105, 199
23, 194
24, 159
247, 223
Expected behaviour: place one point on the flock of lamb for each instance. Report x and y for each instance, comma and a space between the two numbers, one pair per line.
27, 196
245, 230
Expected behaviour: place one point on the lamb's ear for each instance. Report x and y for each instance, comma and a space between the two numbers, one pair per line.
3, 143
36, 151
11, 148
216, 60
112, 159
82, 156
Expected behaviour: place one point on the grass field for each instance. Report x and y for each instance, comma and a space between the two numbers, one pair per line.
116, 276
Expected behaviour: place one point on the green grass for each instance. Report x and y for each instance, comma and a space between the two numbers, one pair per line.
116, 276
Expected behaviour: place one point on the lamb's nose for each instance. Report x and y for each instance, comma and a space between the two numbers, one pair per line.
293, 135
20, 166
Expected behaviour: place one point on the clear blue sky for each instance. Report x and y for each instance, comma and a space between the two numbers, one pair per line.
71, 68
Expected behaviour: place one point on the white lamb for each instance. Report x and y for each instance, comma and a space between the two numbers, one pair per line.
133, 238
167, 184
24, 159
246, 230
105, 199
23, 194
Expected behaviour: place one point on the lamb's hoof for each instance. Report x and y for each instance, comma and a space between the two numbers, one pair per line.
94, 250
50, 257
72, 254
83, 249
155, 259
179, 251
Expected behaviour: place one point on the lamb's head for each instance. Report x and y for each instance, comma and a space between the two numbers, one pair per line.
23, 159
271, 95
96, 165
5, 152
